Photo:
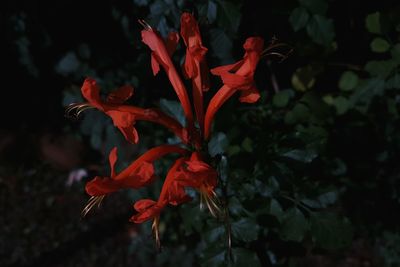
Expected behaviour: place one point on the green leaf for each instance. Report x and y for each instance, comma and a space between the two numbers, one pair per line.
379, 45
294, 225
244, 257
174, 109
330, 232
393, 82
211, 11
366, 92
217, 144
281, 99
341, 104
221, 45
299, 18
229, 15
315, 6
395, 52
275, 209
372, 23
246, 229
247, 145
348, 81
321, 30
381, 68
300, 155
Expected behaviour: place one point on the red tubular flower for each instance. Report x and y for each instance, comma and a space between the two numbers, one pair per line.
161, 56
195, 66
124, 116
136, 175
238, 76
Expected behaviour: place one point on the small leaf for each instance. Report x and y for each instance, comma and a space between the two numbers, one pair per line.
174, 109
275, 209
341, 104
244, 257
315, 6
301, 155
281, 99
395, 52
381, 68
330, 232
303, 78
321, 30
217, 144
379, 45
211, 11
294, 225
348, 81
246, 229
372, 22
299, 18
247, 145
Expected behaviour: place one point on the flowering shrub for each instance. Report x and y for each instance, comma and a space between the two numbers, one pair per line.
193, 168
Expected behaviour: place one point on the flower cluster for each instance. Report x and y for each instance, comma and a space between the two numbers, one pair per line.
191, 168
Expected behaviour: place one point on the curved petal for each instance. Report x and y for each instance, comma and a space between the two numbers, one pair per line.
120, 95
172, 42
124, 121
100, 186
112, 157
91, 92
143, 204
249, 96
147, 214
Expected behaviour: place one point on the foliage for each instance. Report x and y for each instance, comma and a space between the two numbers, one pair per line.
309, 170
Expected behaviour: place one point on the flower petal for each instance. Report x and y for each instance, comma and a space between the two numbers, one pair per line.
120, 95
124, 122
147, 214
143, 204
249, 96
112, 157
91, 92
100, 186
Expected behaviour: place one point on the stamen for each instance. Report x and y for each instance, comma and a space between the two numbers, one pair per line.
156, 232
273, 45
93, 201
73, 111
213, 203
145, 25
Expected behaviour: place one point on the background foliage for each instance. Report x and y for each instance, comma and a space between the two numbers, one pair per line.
309, 174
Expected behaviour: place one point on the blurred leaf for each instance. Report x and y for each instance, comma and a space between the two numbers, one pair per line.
299, 18
247, 145
303, 78
229, 15
395, 52
393, 82
379, 45
366, 91
281, 98
330, 232
300, 155
321, 30
245, 229
315, 6
341, 104
348, 81
380, 68
217, 144
211, 11
173, 109
244, 257
294, 225
275, 209
372, 22
221, 45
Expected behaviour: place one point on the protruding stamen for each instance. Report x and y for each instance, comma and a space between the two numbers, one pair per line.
145, 25
73, 111
267, 51
93, 201
212, 202
156, 232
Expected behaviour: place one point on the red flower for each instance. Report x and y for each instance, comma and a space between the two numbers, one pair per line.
138, 174
161, 56
236, 77
195, 66
124, 116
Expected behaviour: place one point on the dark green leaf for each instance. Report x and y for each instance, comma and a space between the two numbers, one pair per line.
173, 109
300, 155
372, 22
379, 45
244, 257
348, 81
217, 144
247, 145
294, 225
381, 68
221, 45
229, 15
315, 6
246, 229
330, 232
395, 52
211, 11
341, 104
281, 99
299, 18
321, 30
